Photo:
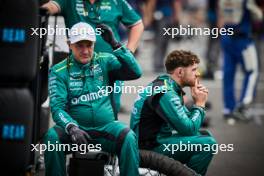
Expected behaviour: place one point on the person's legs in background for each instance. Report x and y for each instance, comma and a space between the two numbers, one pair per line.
212, 55
249, 62
229, 70
160, 44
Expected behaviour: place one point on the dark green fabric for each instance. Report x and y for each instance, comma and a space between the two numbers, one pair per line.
182, 120
82, 89
109, 12
79, 96
128, 155
176, 123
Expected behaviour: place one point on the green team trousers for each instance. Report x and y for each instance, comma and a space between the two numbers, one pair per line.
114, 138
196, 160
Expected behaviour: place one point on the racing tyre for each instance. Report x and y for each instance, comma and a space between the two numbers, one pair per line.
163, 164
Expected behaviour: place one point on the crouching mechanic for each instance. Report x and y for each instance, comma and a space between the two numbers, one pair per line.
161, 120
80, 103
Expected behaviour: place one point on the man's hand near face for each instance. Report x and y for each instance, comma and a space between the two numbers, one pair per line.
199, 94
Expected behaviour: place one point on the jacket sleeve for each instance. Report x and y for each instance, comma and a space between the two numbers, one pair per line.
129, 15
123, 65
58, 101
175, 113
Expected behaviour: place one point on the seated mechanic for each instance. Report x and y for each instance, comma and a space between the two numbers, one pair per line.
80, 103
161, 120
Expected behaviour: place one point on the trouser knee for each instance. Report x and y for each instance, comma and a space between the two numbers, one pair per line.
130, 138
51, 136
209, 145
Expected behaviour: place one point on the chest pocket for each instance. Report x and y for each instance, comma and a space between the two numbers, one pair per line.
110, 14
232, 11
75, 87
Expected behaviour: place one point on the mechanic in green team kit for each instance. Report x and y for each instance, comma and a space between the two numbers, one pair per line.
160, 119
80, 107
108, 12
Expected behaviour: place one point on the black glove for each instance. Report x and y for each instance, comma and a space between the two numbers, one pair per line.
78, 136
108, 36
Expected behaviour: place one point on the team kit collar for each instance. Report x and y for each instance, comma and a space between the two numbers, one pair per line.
95, 8
171, 84
77, 69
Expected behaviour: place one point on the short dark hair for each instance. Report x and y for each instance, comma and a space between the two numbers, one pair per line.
180, 58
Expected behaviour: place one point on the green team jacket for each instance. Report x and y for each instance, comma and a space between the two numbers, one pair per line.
78, 92
109, 12
160, 109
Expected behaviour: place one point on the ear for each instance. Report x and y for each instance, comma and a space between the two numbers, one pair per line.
177, 72
180, 71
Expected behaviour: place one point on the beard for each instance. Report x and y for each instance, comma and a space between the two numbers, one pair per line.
189, 82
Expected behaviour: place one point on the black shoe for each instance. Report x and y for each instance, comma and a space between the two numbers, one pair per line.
241, 113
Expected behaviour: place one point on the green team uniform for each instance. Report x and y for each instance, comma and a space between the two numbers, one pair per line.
160, 118
109, 12
79, 96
